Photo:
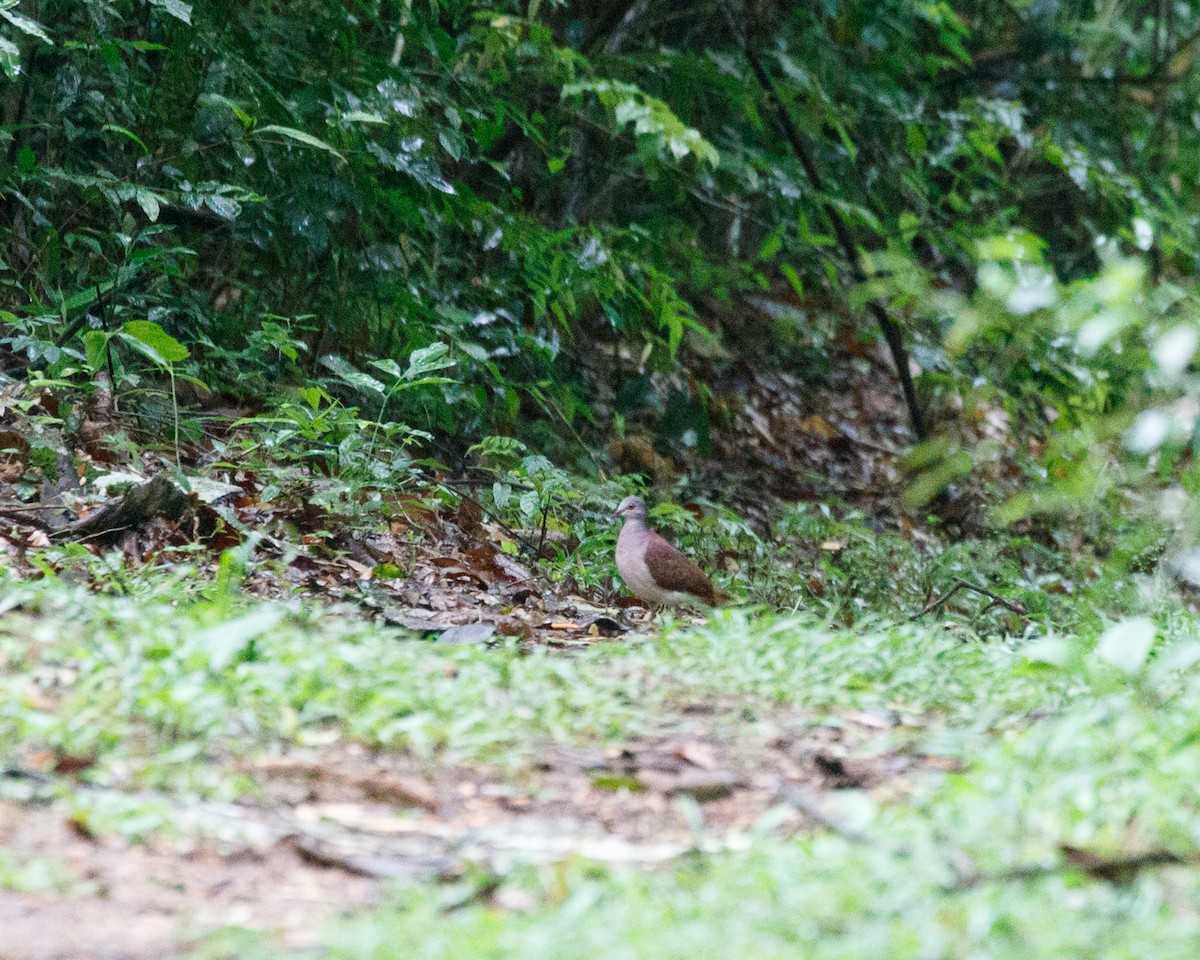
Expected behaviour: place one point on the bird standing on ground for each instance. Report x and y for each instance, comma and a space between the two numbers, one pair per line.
652, 569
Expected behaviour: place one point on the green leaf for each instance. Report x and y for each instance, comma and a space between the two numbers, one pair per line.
344, 370
388, 366
1126, 645
128, 134
244, 118
300, 137
95, 348
359, 116
428, 359
149, 202
771, 245
176, 8
154, 341
10, 57
793, 278
25, 24
225, 207
313, 396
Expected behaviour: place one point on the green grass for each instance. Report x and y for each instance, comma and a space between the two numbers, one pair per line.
1107, 763
152, 682
1057, 748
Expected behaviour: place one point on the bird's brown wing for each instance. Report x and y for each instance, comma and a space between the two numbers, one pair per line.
673, 571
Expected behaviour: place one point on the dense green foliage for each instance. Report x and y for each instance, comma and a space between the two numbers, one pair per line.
276, 185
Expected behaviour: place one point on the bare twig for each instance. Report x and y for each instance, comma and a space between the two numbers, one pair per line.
449, 487
1120, 869
1012, 606
891, 332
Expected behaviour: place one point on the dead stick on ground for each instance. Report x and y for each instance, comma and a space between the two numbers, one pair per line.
158, 497
997, 601
1113, 869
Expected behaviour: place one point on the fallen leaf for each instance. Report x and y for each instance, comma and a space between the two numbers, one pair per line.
364, 572
698, 755
818, 426
470, 633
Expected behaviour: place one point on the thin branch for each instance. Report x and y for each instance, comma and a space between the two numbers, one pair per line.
891, 332
996, 601
1121, 869
449, 487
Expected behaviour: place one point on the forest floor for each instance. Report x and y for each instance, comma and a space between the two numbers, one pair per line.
317, 830
272, 780
275, 716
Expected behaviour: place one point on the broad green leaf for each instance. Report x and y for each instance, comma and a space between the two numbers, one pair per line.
161, 345
223, 206
300, 137
1126, 645
346, 371
25, 24
428, 359
149, 202
10, 57
176, 8
95, 348
312, 396
388, 366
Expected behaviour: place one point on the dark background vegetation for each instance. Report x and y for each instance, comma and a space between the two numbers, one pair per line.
572, 197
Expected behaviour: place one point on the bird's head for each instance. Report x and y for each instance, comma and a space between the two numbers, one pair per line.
631, 508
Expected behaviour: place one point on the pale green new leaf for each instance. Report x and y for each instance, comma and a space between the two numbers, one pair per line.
1126, 645
154, 341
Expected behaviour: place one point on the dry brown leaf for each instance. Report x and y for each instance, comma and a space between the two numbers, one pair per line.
364, 572
818, 426
698, 755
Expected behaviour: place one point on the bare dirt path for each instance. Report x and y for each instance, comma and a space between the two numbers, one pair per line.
328, 829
